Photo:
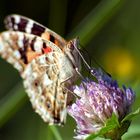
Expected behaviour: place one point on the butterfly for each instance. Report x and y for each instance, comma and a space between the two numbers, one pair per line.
47, 63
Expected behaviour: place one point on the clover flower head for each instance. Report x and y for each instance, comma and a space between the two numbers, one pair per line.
97, 102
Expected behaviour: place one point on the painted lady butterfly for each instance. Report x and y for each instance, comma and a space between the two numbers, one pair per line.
46, 62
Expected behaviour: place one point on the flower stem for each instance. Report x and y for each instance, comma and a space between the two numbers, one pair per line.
55, 132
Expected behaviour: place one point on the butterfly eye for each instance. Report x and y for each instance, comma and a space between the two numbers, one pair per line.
71, 46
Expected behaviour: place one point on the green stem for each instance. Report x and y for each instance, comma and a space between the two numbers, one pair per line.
95, 20
11, 103
55, 132
49, 134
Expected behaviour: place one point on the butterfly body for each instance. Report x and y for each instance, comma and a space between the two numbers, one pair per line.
46, 63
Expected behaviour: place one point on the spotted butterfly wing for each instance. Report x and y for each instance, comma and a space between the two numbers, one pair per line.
46, 62
46, 69
20, 23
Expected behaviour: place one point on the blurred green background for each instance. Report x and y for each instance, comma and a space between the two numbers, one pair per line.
108, 29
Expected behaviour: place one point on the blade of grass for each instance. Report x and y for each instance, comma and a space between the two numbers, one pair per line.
11, 103
58, 14
95, 20
49, 134
55, 132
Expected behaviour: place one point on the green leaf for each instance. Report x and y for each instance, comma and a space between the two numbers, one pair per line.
131, 115
134, 132
110, 125
92, 136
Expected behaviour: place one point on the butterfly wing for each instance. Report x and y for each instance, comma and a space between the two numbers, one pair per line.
24, 24
44, 68
18, 47
45, 89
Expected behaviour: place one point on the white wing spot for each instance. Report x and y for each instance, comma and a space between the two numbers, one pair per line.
15, 27
27, 72
17, 54
17, 19
18, 66
42, 60
29, 26
11, 60
46, 80
38, 45
20, 40
5, 35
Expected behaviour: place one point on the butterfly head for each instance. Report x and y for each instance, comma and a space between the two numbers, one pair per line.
72, 53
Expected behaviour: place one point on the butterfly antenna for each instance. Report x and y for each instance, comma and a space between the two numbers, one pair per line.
83, 51
100, 66
87, 65
95, 61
